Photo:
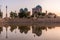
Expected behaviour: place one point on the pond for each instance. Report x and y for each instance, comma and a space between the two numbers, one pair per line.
33, 32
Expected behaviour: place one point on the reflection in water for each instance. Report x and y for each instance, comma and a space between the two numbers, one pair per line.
36, 30
1, 29
6, 30
24, 29
51, 27
12, 27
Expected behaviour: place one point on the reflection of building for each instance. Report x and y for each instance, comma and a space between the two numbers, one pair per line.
1, 29
24, 13
37, 9
36, 30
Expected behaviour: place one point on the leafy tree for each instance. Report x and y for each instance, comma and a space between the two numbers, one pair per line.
43, 14
25, 9
50, 13
1, 14
39, 13
13, 14
21, 10
23, 13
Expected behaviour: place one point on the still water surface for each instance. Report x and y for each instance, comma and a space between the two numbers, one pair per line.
13, 32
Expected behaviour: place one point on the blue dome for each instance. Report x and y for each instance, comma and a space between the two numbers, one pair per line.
38, 6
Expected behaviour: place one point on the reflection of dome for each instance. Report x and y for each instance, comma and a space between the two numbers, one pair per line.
37, 30
38, 6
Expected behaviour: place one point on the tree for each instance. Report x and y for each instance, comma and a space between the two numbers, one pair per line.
39, 13
21, 10
23, 13
25, 9
43, 14
13, 14
1, 14
50, 13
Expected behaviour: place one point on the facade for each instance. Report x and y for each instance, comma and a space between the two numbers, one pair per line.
37, 9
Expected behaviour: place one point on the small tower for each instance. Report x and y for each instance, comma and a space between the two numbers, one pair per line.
0, 8
6, 11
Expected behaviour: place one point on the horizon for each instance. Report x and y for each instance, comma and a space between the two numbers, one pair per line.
14, 5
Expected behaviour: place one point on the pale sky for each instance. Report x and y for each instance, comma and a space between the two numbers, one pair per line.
49, 5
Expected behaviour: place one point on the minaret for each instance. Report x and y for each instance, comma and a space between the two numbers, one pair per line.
6, 11
0, 8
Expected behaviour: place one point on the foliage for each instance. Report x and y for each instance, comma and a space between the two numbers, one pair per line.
23, 29
23, 13
50, 13
39, 13
25, 9
43, 14
13, 14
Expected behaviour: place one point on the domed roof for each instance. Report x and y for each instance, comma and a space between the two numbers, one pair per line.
38, 6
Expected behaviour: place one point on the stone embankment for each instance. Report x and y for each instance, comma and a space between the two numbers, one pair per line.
25, 21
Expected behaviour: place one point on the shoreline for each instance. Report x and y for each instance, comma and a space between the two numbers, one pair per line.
30, 22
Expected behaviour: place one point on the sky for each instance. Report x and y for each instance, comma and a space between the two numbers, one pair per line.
14, 5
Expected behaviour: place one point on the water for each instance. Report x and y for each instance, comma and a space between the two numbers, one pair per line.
33, 32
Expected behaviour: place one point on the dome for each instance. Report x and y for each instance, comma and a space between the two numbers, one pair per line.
38, 6
25, 9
